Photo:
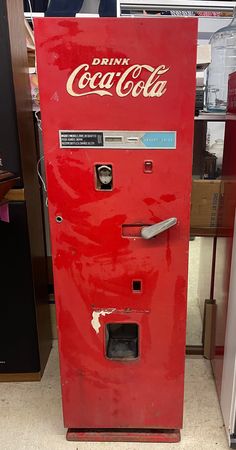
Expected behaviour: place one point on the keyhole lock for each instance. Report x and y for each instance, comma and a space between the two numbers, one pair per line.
104, 177
59, 219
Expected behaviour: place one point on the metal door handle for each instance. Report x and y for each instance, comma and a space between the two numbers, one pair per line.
153, 230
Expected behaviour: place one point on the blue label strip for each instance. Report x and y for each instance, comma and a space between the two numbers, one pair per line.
160, 139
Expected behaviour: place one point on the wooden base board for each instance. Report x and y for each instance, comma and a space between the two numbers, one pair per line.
123, 435
194, 350
14, 377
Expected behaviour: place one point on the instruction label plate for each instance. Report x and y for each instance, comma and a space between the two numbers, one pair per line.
75, 139
117, 139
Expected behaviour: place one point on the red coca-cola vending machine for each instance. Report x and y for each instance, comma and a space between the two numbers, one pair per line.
117, 101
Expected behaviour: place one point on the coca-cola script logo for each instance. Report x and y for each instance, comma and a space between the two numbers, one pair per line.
83, 80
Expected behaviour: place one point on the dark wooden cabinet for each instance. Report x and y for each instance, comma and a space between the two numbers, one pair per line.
25, 334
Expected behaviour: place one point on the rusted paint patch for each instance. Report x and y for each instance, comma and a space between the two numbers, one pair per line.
95, 322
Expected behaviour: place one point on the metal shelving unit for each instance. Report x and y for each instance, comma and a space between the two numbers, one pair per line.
193, 5
211, 117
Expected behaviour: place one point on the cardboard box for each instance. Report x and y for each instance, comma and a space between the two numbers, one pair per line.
203, 56
227, 204
205, 202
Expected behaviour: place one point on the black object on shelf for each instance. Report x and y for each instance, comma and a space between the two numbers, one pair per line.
36, 5
65, 8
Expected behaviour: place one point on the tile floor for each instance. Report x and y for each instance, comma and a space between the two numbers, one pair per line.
194, 320
31, 417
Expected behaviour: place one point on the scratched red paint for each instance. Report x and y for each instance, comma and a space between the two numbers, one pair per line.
168, 197
94, 264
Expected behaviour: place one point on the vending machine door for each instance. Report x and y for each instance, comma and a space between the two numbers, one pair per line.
117, 100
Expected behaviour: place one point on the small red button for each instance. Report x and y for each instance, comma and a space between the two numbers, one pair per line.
148, 166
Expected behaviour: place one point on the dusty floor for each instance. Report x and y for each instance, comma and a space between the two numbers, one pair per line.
31, 417
194, 320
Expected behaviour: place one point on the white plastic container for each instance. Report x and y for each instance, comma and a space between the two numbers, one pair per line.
217, 149
223, 54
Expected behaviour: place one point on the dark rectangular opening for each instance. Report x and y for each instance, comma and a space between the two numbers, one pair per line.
122, 341
137, 285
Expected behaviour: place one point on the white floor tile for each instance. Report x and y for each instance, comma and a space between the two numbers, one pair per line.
194, 320
31, 416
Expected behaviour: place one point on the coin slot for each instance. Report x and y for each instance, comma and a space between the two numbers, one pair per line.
132, 139
113, 139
